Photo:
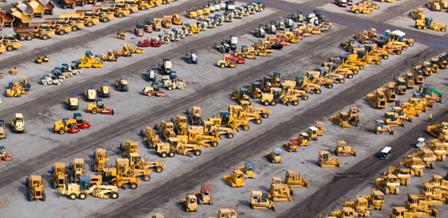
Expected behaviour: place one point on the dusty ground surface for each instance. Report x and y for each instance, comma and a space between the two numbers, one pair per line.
209, 87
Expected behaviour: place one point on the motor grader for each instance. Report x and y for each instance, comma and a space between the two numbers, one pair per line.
180, 125
303, 83
342, 149
212, 129
438, 130
226, 119
317, 78
113, 177
417, 14
276, 95
190, 203
143, 172
294, 179
166, 129
325, 160
196, 134
142, 164
374, 50
289, 89
77, 169
238, 112
18, 123
274, 156
174, 145
437, 5
35, 188
236, 179
279, 191
377, 99
388, 184
376, 199
101, 159
260, 201
362, 37
429, 23
346, 212
18, 89
352, 59
85, 187
129, 147
248, 170
301, 140
414, 163
403, 173
59, 178
194, 116
360, 205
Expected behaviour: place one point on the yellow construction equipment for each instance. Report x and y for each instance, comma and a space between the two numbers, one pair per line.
18, 89
420, 202
438, 182
150, 137
417, 14
143, 164
190, 203
274, 156
236, 179
325, 160
346, 212
376, 199
294, 179
59, 178
35, 188
260, 201
248, 169
403, 212
121, 35
437, 5
342, 149
429, 23
301, 140
391, 119
360, 205
77, 169
279, 191
176, 19
427, 155
101, 159
388, 184
18, 124
438, 130
167, 129
400, 114
87, 186
129, 147
249, 108
226, 213
377, 99
415, 164
89, 60
440, 150
180, 125
205, 195
341, 119
403, 174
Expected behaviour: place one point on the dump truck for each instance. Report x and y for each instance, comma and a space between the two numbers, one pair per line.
59, 178
403, 174
388, 184
248, 169
260, 201
325, 160
28, 33
35, 188
342, 149
236, 179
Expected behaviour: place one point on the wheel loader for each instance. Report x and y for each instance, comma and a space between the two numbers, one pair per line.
260, 201
414, 163
325, 160
248, 170
18, 124
377, 99
342, 149
274, 156
346, 212
35, 188
226, 213
143, 164
294, 179
86, 187
59, 178
360, 205
279, 191
388, 184
100, 159
236, 179
301, 140
403, 174
376, 199
190, 203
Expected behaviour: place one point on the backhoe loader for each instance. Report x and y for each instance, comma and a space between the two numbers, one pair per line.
236, 179
260, 201
388, 184
325, 160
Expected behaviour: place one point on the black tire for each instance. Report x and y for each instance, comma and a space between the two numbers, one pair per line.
27, 181
22, 37
330, 85
163, 154
29, 37
159, 169
75, 28
295, 103
72, 196
105, 19
318, 91
146, 177
45, 37
9, 48
44, 196
134, 185
82, 196
172, 154
197, 152
114, 195
89, 24
230, 135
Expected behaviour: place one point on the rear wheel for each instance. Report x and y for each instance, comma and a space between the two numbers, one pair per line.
172, 154
114, 195
350, 76
295, 103
82, 196
330, 85
318, 91
72, 196
273, 103
214, 143
258, 121
266, 103
146, 177
265, 115
197, 152
230, 135
94, 111
246, 127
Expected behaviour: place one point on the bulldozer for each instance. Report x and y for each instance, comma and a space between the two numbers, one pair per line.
346, 212
420, 202
438, 130
301, 140
410, 80
274, 156
342, 119
415, 164
390, 92
236, 179
428, 157
437, 5
381, 127
35, 188
360, 205
409, 110
433, 192
85, 187
226, 213
388, 184
260, 201
248, 170
400, 85
429, 23
279, 191
101, 159
402, 212
18, 124
391, 119
440, 150
294, 179
403, 174
59, 178
129, 147
77, 168
400, 114
376, 199
205, 195
325, 160
377, 99
439, 182
190, 203
342, 149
